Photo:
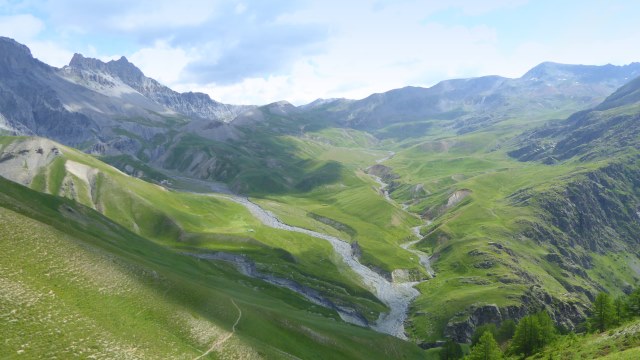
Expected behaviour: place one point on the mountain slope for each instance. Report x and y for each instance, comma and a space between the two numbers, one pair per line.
104, 108
608, 130
121, 296
466, 105
184, 221
514, 222
190, 104
526, 235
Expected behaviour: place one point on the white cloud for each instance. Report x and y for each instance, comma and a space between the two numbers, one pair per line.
251, 51
164, 13
50, 53
162, 62
26, 29
368, 58
21, 27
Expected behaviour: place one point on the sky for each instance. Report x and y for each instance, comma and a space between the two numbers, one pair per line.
262, 51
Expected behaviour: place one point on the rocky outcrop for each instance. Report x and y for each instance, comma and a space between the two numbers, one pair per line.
453, 200
456, 198
30, 105
334, 224
22, 161
596, 210
565, 314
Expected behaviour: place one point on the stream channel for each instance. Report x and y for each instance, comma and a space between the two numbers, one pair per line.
396, 295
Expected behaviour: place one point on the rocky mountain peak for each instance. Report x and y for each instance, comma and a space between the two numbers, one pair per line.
82, 63
198, 97
15, 56
120, 68
125, 70
12, 47
190, 104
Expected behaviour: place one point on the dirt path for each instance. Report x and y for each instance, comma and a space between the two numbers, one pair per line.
216, 345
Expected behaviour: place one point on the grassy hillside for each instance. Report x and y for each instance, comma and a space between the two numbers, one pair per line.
514, 241
507, 237
199, 223
621, 343
122, 296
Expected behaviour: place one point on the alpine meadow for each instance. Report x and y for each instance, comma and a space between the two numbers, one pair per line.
479, 217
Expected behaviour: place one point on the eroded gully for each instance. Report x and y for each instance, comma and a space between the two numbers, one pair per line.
397, 296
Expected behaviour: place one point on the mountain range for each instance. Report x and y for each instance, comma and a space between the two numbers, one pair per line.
416, 215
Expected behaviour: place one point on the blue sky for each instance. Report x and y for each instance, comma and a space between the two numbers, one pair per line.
256, 52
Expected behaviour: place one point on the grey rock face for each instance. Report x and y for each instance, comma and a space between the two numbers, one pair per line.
104, 108
29, 105
565, 314
189, 104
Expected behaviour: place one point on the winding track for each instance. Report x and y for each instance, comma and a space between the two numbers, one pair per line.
218, 343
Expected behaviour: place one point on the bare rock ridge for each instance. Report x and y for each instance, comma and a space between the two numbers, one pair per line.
15, 57
29, 105
190, 104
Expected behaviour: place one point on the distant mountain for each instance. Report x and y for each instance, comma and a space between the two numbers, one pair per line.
558, 73
470, 104
609, 129
325, 102
103, 108
111, 108
626, 95
190, 104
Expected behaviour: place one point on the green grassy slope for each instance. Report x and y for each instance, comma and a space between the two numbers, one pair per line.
75, 285
354, 201
504, 244
198, 223
621, 343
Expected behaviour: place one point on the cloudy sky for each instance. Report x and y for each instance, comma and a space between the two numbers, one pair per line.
260, 51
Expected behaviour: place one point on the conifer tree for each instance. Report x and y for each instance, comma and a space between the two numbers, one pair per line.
486, 349
548, 331
619, 310
506, 331
480, 330
451, 350
602, 312
526, 339
633, 302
